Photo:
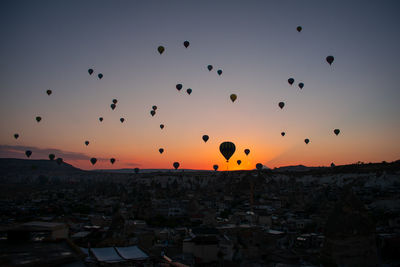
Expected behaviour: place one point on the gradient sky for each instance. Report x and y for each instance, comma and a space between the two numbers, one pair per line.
51, 44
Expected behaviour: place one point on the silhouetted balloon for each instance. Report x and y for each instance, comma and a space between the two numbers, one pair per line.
152, 112
112, 160
333, 165
101, 119
176, 165
281, 105
239, 162
283, 133
93, 161
121, 120
161, 150
90, 71
86, 143
306, 140
219, 72
186, 43
38, 118
115, 101
215, 167
16, 136
233, 97
162, 126
154, 108
189, 91
136, 170
336, 131
100, 75
301, 85
259, 166
161, 49
28, 153
52, 156
49, 92
299, 28
209, 67
205, 138
179, 86
59, 161
290, 81
227, 149
113, 106
330, 59
247, 151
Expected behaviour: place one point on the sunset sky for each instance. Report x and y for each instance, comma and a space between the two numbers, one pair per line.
52, 44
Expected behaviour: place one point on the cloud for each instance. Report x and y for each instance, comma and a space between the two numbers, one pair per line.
7, 151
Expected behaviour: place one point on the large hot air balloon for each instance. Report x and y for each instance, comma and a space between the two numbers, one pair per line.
154, 108
186, 44
283, 133
52, 156
59, 161
136, 170
290, 81
259, 166
112, 160
100, 76
176, 165
336, 131
247, 151
101, 119
113, 106
281, 105
301, 85
233, 97
219, 72
162, 126
299, 28
215, 167
239, 162
227, 149
189, 91
205, 138
209, 67
38, 118
90, 71
93, 161
161, 49
48, 92
306, 140
179, 86
16, 136
152, 112
28, 153
330, 59
115, 101
161, 150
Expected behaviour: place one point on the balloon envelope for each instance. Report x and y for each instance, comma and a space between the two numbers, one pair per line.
215, 167
113, 106
336, 131
28, 153
179, 86
227, 149
247, 151
209, 67
239, 162
86, 142
52, 156
101, 119
16, 136
186, 44
100, 76
38, 118
112, 160
49, 92
161, 49
290, 81
93, 161
176, 165
90, 71
299, 28
161, 150
189, 91
122, 120
162, 126
154, 107
301, 85
219, 72
259, 166
306, 140
283, 133
205, 138
152, 112
330, 59
281, 105
115, 101
233, 97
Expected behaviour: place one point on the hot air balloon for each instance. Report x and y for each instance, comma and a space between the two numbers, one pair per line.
299, 28
215, 167
333, 165
90, 71
59, 161
52, 156
161, 49
162, 126
233, 97
112, 160
121, 120
152, 112
283, 133
219, 72
336, 131
306, 140
239, 162
161, 150
189, 91
93, 161
281, 105
186, 43
176, 165
86, 143
113, 106
16, 136
205, 138
100, 76
101, 119
301, 85
154, 108
48, 92
179, 86
330, 59
290, 81
136, 170
259, 166
115, 101
28, 153
209, 67
38, 118
247, 151
227, 149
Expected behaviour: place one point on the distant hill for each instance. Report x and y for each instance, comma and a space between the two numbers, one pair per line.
296, 168
149, 170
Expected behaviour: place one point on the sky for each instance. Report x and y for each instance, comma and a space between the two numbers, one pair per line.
52, 44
